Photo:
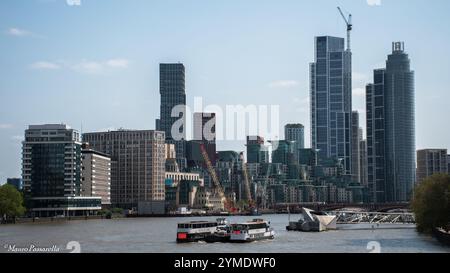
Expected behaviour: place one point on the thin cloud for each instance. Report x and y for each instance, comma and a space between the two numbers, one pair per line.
5, 126
118, 63
84, 66
374, 2
45, 66
21, 33
17, 138
18, 32
284, 84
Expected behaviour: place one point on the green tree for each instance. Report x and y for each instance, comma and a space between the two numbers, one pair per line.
431, 203
11, 202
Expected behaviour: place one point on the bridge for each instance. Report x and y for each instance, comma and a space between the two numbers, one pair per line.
372, 207
357, 217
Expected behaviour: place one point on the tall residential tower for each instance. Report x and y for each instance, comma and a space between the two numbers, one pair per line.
391, 130
173, 99
331, 99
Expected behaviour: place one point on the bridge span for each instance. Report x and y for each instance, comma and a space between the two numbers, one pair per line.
358, 217
368, 207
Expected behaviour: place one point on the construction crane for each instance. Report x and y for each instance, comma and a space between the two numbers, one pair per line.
251, 203
349, 24
246, 180
214, 178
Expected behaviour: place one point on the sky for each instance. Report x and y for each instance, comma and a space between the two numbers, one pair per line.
93, 64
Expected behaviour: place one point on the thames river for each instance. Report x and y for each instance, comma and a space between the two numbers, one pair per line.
155, 235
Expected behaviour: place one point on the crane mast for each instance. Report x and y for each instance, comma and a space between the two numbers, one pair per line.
246, 181
214, 178
349, 24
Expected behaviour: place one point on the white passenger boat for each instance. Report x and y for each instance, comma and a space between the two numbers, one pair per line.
198, 230
255, 230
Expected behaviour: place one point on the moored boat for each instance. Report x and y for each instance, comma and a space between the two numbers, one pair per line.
258, 229
195, 231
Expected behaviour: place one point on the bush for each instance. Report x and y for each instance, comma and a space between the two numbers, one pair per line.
117, 211
431, 203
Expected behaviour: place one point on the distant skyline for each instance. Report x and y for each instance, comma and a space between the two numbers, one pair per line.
97, 64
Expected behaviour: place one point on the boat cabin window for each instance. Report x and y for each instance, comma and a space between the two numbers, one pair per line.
197, 225
249, 227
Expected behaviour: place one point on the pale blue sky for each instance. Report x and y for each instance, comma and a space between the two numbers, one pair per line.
97, 63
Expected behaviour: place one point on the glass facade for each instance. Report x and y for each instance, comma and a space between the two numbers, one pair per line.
391, 130
284, 152
51, 170
356, 138
257, 152
173, 93
331, 101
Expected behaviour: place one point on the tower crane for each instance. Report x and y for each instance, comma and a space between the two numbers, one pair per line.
251, 203
217, 185
349, 24
246, 180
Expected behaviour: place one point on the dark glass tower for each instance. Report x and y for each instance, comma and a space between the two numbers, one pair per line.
356, 138
331, 100
52, 172
173, 94
391, 129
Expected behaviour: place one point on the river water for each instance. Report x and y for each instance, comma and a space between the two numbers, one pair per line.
157, 235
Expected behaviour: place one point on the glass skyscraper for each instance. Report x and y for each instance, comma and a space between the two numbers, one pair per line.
390, 103
173, 94
52, 172
331, 99
295, 132
356, 138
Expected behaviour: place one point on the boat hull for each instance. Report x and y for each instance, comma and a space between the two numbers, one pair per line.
252, 237
192, 238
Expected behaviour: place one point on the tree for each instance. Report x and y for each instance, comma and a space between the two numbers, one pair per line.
11, 202
431, 203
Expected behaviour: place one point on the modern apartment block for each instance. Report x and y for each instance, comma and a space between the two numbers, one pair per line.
295, 132
51, 172
356, 138
331, 99
363, 163
257, 152
448, 161
96, 175
173, 97
15, 182
431, 161
138, 169
391, 130
204, 134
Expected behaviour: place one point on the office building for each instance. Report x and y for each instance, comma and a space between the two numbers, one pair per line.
96, 175
51, 172
15, 182
138, 168
448, 161
363, 163
283, 152
204, 134
356, 138
257, 152
173, 97
431, 161
295, 133
391, 130
331, 100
